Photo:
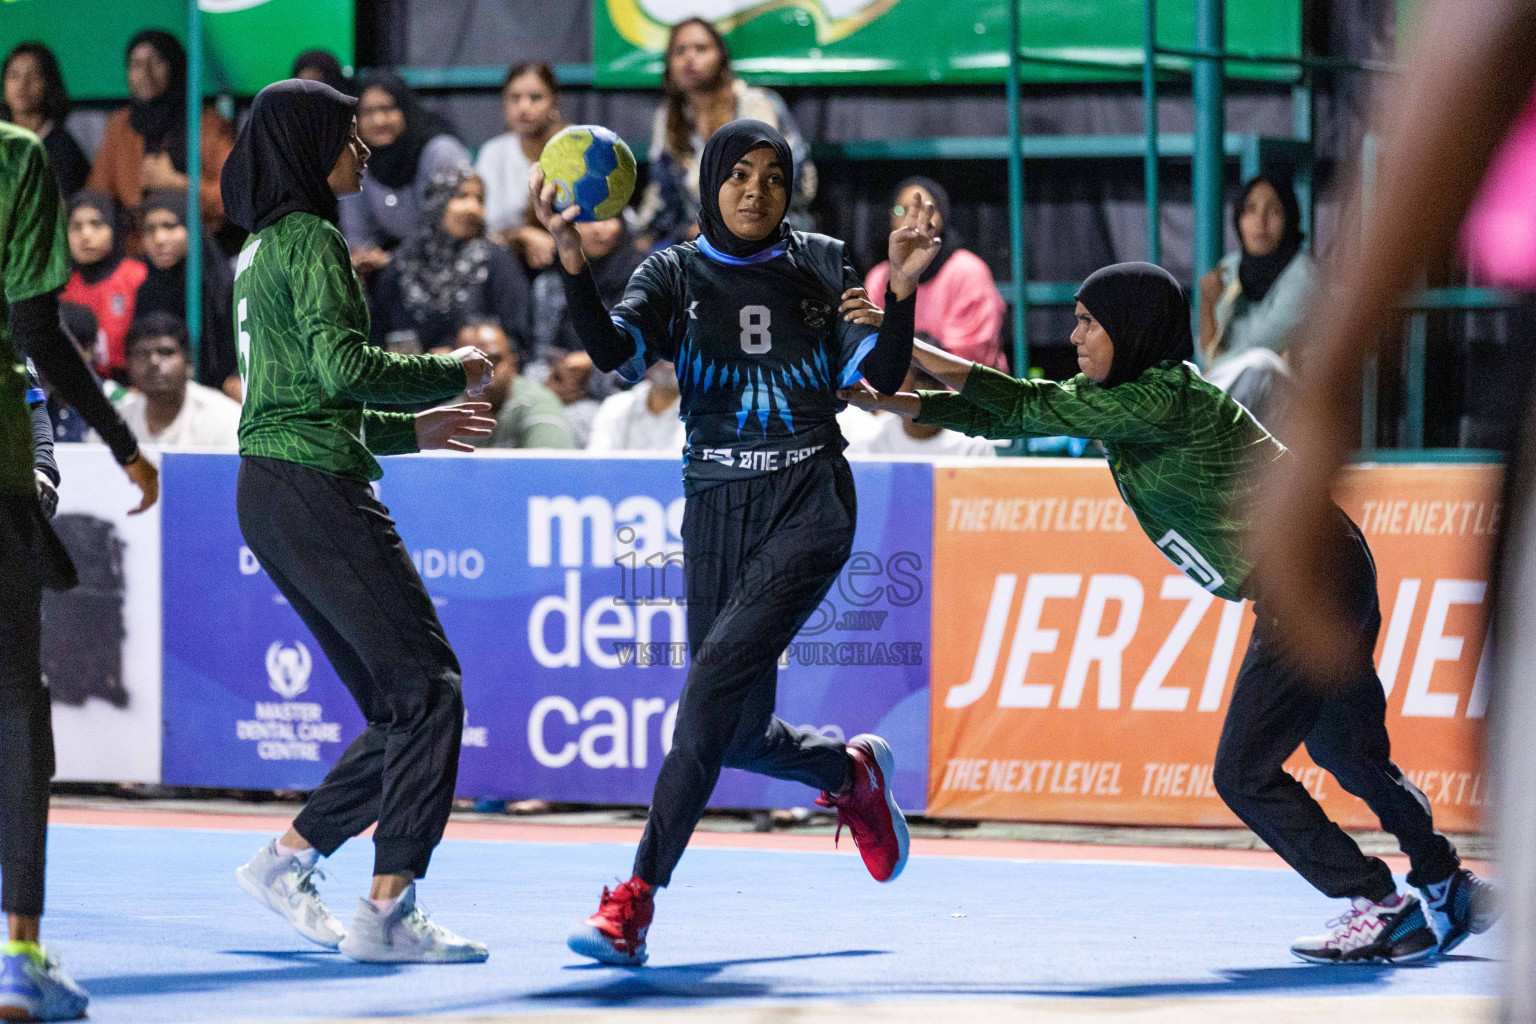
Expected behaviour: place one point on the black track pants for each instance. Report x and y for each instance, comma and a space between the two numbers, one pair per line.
761, 554
1275, 709
26, 722
332, 550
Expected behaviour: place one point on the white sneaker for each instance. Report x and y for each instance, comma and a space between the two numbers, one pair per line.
1394, 931
285, 883
406, 935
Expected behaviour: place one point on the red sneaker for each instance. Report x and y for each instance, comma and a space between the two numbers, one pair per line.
868, 808
616, 933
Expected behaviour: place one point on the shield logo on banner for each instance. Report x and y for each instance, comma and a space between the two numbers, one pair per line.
288, 669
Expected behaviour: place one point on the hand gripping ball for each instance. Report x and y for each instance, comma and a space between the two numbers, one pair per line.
592, 168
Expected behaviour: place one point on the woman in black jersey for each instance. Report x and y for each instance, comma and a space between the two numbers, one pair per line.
749, 314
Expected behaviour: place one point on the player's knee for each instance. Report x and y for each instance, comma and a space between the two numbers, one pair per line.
1233, 782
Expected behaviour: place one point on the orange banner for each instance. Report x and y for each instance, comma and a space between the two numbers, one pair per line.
1078, 676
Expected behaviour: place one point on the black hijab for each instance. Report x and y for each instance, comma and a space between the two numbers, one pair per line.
395, 165
327, 65
162, 121
950, 239
733, 141
165, 291
1144, 311
1258, 273
95, 273
284, 154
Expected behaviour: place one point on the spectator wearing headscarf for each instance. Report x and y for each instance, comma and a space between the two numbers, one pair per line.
35, 99
448, 272
957, 299
105, 279
144, 147
322, 66
410, 144
163, 225
1255, 296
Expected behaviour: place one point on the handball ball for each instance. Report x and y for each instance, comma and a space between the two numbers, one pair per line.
592, 168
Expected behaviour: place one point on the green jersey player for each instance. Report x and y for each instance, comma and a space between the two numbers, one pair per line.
308, 436
1185, 457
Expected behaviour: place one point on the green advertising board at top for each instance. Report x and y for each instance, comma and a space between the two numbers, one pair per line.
916, 42
248, 44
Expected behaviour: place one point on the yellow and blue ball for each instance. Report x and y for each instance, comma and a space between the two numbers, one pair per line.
592, 168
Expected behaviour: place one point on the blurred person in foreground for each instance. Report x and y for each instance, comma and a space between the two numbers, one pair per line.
1465, 81
34, 265
165, 405
527, 414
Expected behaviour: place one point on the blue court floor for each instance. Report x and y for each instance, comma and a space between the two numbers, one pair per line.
151, 922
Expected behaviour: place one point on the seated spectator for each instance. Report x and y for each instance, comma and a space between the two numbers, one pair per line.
104, 279
613, 259
702, 94
164, 231
1255, 297
957, 299
448, 272
322, 66
144, 147
897, 435
570, 378
166, 406
527, 414
410, 144
35, 99
644, 418
530, 108
80, 327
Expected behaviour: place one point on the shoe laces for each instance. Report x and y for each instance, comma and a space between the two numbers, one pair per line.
304, 878
420, 922
844, 817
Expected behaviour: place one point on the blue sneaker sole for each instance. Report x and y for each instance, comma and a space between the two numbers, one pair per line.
589, 942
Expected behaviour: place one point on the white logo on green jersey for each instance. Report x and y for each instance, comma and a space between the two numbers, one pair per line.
1189, 561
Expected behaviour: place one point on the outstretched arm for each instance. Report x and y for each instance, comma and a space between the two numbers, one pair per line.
609, 345
911, 247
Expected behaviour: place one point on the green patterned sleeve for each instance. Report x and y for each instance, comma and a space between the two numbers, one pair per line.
333, 316
37, 252
389, 433
1001, 406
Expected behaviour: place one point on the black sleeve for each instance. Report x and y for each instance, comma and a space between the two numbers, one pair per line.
218, 341
885, 367
609, 345
41, 337
70, 164
42, 443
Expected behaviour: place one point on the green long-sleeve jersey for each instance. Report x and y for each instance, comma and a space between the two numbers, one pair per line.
1182, 452
305, 360
34, 260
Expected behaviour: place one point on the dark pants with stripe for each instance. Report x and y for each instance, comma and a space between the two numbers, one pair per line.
333, 552
760, 555
1275, 708
26, 717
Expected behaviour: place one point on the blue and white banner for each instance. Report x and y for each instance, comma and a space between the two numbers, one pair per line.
557, 580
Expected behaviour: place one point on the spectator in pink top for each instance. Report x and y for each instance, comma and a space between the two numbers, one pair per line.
957, 300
